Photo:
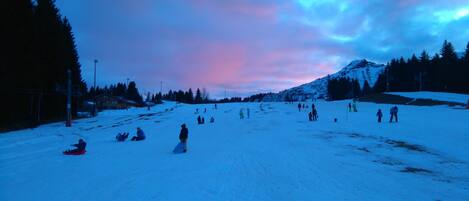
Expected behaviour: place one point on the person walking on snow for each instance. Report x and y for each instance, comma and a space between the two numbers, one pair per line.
315, 113
393, 113
183, 135
379, 114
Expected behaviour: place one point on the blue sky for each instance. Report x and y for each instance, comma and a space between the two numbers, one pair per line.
247, 47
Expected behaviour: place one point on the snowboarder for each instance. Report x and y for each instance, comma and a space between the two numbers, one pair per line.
122, 137
212, 120
379, 114
241, 114
393, 113
140, 135
310, 116
80, 148
299, 107
183, 135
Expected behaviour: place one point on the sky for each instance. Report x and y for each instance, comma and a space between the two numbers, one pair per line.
241, 47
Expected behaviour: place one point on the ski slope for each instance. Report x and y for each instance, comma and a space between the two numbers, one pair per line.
276, 154
440, 96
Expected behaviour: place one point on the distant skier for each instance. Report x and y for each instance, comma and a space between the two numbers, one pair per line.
183, 135
310, 116
393, 112
79, 150
241, 114
299, 107
379, 114
140, 135
122, 137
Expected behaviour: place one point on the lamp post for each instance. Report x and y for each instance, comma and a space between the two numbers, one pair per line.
94, 105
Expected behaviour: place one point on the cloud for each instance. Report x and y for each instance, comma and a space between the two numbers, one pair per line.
252, 46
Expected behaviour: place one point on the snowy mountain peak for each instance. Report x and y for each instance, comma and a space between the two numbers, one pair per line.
361, 70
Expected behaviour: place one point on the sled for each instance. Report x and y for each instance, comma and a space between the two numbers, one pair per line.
180, 148
68, 152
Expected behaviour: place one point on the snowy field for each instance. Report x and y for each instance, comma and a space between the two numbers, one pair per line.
276, 154
440, 96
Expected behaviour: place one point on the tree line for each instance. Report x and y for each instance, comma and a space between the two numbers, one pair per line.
38, 49
129, 92
445, 71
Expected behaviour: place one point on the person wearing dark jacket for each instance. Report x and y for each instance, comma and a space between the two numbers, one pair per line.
315, 113
80, 148
183, 135
140, 135
199, 120
122, 136
310, 116
299, 106
379, 114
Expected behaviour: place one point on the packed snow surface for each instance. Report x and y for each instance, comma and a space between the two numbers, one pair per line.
440, 96
276, 154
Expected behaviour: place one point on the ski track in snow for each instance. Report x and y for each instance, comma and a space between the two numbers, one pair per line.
276, 154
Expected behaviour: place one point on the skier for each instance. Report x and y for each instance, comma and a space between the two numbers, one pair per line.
379, 114
140, 135
310, 116
80, 148
122, 137
241, 114
183, 135
299, 107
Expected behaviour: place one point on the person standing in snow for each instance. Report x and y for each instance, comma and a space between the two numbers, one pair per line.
379, 114
212, 120
354, 105
315, 113
183, 135
199, 120
350, 107
248, 112
310, 116
241, 114
393, 113
299, 107
140, 135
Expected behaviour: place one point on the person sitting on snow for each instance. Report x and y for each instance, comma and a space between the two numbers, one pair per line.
80, 148
140, 135
122, 136
183, 135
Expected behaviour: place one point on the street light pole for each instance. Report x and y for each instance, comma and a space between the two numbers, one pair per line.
94, 106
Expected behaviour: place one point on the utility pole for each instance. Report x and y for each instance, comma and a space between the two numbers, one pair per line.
68, 122
94, 106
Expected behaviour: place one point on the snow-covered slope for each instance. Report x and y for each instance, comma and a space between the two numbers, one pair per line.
362, 70
440, 96
276, 154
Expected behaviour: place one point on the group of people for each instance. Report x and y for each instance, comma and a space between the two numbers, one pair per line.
302, 106
138, 137
393, 112
313, 115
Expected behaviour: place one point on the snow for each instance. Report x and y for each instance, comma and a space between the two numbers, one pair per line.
276, 154
440, 96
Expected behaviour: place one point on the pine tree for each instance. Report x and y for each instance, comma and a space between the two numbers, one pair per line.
198, 97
